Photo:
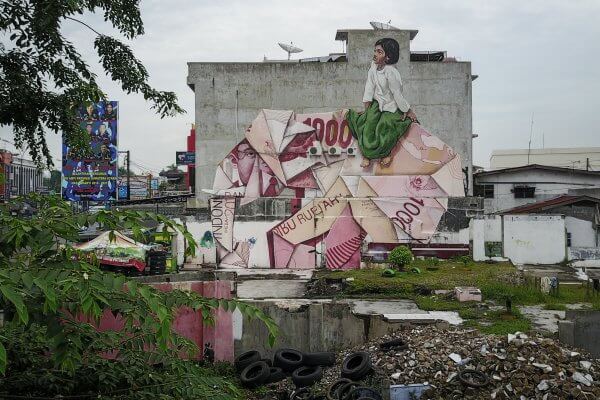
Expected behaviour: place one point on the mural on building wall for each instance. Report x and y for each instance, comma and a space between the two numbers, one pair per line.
313, 160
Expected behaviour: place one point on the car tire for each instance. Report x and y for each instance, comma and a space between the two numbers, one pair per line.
268, 361
301, 394
245, 359
345, 389
255, 374
288, 359
364, 392
275, 375
356, 365
395, 344
322, 358
333, 389
307, 376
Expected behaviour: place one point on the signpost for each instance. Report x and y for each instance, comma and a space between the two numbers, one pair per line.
185, 158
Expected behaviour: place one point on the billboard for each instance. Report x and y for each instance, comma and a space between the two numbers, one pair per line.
139, 187
185, 158
93, 177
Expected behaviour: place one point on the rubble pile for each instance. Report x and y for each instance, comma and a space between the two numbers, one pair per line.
515, 367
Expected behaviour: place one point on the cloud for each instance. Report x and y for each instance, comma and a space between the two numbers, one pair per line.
531, 57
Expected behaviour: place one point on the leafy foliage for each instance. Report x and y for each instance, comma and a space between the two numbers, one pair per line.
43, 77
400, 256
55, 295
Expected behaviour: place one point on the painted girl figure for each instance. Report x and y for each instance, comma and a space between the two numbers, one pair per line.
387, 114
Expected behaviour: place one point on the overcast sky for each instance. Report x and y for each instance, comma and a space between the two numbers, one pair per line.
537, 57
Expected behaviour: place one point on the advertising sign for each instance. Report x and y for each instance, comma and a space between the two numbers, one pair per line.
93, 177
139, 187
185, 158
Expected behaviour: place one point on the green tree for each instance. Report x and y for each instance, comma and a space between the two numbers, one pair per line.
43, 78
400, 257
45, 282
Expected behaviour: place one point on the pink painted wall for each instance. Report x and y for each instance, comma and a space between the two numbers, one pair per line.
188, 323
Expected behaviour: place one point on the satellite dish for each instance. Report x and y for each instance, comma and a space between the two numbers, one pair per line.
290, 48
382, 26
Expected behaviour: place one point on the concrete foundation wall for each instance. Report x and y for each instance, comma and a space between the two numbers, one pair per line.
581, 329
311, 327
535, 239
229, 95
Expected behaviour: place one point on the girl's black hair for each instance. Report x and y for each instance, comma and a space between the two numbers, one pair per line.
391, 48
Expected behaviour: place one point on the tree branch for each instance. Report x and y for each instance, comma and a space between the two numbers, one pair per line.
84, 24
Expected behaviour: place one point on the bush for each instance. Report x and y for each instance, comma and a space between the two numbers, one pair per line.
400, 257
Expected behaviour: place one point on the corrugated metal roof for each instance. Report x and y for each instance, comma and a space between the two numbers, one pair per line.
548, 204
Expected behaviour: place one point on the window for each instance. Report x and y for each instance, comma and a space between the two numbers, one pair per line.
524, 192
568, 239
486, 191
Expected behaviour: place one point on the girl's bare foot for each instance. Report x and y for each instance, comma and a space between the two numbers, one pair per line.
386, 161
365, 163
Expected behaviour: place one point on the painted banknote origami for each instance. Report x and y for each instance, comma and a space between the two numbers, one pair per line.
337, 205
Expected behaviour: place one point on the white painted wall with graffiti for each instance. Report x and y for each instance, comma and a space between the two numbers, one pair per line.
337, 202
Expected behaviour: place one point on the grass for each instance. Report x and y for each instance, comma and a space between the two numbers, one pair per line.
497, 282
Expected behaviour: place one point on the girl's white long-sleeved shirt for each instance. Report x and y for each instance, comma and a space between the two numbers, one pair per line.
385, 86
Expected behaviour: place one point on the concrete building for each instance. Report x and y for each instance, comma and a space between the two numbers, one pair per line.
229, 95
21, 176
587, 158
507, 188
564, 228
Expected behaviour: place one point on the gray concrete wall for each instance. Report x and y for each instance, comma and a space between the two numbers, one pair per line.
440, 94
581, 329
315, 327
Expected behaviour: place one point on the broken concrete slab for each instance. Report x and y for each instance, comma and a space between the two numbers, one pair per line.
271, 288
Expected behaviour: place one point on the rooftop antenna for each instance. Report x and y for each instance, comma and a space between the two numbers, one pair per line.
530, 135
290, 48
382, 25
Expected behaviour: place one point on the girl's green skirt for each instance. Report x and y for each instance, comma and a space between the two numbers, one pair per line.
377, 132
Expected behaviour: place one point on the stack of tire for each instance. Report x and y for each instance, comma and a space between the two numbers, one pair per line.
305, 369
356, 367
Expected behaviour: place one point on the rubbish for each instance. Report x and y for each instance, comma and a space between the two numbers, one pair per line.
467, 294
585, 365
543, 386
455, 357
451, 376
583, 379
396, 344
408, 392
543, 367
473, 378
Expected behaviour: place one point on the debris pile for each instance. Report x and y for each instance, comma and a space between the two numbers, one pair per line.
466, 364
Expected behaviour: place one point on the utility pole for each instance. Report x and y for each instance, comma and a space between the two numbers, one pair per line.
128, 177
